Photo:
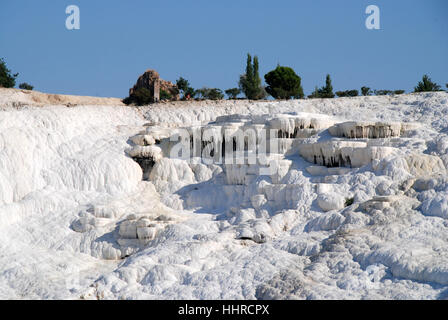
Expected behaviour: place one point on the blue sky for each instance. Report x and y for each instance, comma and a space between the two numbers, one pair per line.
207, 41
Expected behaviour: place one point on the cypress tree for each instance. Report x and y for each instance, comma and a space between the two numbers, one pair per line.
249, 70
324, 92
328, 89
256, 76
250, 82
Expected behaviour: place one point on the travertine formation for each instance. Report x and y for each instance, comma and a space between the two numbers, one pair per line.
257, 144
72, 196
138, 229
241, 150
364, 129
351, 154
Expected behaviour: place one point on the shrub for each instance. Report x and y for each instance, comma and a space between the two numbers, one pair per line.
210, 93
184, 86
388, 92
26, 86
165, 95
365, 91
140, 97
347, 93
250, 82
201, 93
353, 93
382, 92
283, 83
189, 93
7, 80
233, 93
324, 92
215, 94
426, 85
315, 93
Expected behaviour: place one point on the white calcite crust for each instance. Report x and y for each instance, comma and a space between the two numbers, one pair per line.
352, 154
365, 129
75, 208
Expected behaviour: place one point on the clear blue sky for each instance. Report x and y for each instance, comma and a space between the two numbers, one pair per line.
207, 41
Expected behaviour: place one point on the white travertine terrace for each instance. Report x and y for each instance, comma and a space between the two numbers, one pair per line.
364, 129
91, 198
352, 154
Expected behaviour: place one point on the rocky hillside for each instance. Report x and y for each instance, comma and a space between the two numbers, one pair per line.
18, 98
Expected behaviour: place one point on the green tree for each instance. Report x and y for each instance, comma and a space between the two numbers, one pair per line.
26, 86
215, 94
347, 93
353, 93
201, 93
233, 93
426, 85
399, 91
365, 91
324, 92
283, 83
164, 95
189, 93
382, 92
210, 93
315, 93
7, 80
182, 84
256, 77
249, 69
327, 91
140, 97
250, 82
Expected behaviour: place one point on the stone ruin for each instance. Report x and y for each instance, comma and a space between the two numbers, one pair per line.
151, 81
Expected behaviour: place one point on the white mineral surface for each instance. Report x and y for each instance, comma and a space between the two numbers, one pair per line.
80, 219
